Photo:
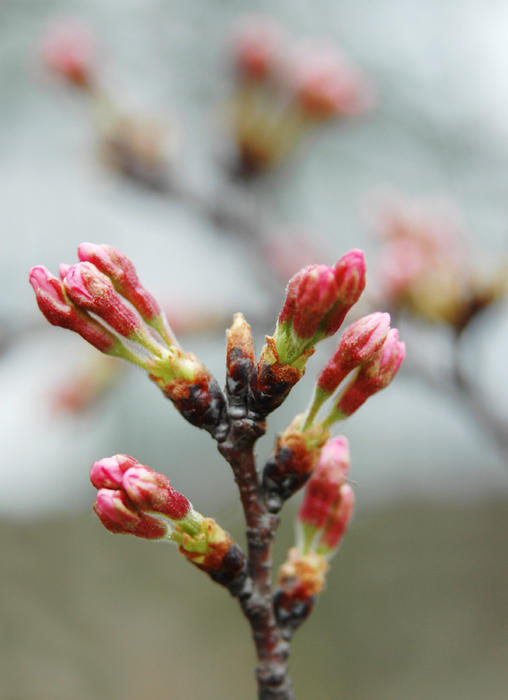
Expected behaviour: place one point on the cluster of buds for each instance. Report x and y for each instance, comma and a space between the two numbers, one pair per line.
317, 301
322, 520
423, 266
368, 356
102, 299
283, 88
133, 499
139, 147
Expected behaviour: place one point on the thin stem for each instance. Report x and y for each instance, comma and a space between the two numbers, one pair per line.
256, 601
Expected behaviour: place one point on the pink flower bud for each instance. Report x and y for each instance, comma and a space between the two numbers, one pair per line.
146, 490
322, 490
310, 295
122, 273
63, 269
317, 300
359, 343
316, 294
338, 522
107, 473
256, 45
151, 491
69, 50
350, 280
373, 376
326, 84
59, 311
89, 289
118, 515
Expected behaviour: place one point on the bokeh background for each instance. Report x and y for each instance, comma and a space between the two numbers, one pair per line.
416, 604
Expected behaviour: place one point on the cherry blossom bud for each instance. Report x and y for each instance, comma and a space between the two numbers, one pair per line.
317, 300
310, 294
326, 84
107, 473
122, 273
145, 492
371, 378
69, 50
350, 280
337, 523
322, 489
359, 343
118, 515
90, 289
60, 311
151, 491
256, 46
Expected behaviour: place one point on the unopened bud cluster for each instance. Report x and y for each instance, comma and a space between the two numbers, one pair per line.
134, 499
102, 299
139, 146
423, 265
283, 88
322, 520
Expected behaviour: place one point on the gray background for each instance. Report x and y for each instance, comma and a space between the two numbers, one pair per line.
416, 604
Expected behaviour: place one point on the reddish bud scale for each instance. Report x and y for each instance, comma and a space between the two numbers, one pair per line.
88, 288
218, 545
240, 361
290, 465
301, 578
200, 401
57, 309
122, 273
322, 490
272, 380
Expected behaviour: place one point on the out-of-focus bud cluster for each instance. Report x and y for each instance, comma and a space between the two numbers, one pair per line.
69, 50
322, 520
102, 299
423, 266
283, 88
134, 499
328, 502
139, 147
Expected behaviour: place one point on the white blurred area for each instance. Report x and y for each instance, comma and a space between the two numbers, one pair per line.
441, 126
